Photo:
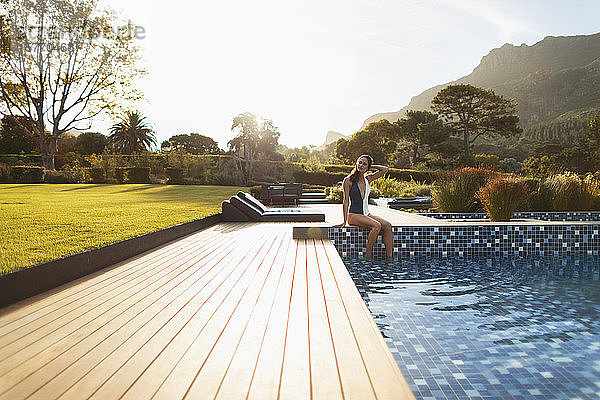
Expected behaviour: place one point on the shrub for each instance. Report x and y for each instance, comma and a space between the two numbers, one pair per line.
51, 176
455, 191
319, 178
94, 175
267, 171
501, 197
255, 191
511, 165
27, 174
411, 175
489, 160
390, 187
346, 169
132, 174
335, 194
4, 173
21, 159
541, 196
226, 177
593, 186
174, 176
571, 193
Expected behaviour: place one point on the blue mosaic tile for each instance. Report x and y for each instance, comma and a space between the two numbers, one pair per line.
475, 240
489, 328
543, 216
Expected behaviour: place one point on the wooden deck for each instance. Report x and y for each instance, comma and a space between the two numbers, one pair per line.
237, 311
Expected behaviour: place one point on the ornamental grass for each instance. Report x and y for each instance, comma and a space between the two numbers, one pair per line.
392, 188
455, 191
571, 193
501, 196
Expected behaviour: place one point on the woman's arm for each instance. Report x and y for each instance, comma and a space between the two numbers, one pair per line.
346, 201
381, 170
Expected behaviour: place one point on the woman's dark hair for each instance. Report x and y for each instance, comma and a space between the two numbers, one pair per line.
354, 175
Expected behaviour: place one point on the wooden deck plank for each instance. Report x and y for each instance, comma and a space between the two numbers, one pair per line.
238, 376
239, 310
203, 338
208, 380
116, 373
324, 372
52, 321
265, 380
295, 374
27, 348
386, 378
32, 308
123, 311
355, 380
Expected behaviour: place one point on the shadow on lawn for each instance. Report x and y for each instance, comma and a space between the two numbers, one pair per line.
89, 186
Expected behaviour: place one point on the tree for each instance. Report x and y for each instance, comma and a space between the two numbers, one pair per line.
90, 143
62, 62
193, 143
378, 139
422, 129
255, 136
131, 135
66, 143
472, 112
13, 139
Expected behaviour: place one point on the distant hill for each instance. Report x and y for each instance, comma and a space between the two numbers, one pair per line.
331, 137
555, 82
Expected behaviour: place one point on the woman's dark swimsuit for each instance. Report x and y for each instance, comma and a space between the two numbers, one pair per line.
358, 204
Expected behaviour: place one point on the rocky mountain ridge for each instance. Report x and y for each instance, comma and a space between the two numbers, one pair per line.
557, 78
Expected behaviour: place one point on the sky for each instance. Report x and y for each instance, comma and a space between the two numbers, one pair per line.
312, 66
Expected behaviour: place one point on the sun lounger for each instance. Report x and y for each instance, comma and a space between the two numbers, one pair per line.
253, 210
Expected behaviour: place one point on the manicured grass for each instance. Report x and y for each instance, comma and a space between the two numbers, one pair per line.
43, 222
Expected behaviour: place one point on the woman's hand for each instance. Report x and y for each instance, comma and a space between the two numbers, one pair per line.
340, 225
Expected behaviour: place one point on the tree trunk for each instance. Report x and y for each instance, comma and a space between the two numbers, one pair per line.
466, 140
47, 150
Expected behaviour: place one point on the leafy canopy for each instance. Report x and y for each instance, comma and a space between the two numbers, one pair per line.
63, 62
132, 134
472, 112
193, 143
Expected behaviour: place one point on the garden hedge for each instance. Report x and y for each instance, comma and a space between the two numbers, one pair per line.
27, 174
132, 174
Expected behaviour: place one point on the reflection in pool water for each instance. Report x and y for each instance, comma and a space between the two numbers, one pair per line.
504, 328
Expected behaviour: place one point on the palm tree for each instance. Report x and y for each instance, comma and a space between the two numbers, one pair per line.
132, 134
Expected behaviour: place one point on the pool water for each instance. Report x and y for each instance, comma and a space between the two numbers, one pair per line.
505, 328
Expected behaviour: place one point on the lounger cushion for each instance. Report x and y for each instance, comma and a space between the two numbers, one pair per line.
257, 204
231, 213
290, 215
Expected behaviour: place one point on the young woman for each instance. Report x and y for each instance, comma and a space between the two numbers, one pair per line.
356, 204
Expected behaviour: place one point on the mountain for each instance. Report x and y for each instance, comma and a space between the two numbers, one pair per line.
555, 82
331, 137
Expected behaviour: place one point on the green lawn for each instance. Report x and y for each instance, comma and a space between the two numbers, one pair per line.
44, 222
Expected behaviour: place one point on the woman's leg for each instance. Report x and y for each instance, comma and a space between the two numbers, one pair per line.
364, 221
388, 236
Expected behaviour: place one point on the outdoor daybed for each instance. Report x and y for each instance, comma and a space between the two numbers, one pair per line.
244, 207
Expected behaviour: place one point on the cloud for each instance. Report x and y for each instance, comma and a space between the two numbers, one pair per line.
505, 16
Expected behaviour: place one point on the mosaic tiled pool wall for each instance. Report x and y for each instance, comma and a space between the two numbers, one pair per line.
466, 241
544, 216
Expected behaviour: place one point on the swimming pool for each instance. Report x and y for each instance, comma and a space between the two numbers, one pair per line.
489, 328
